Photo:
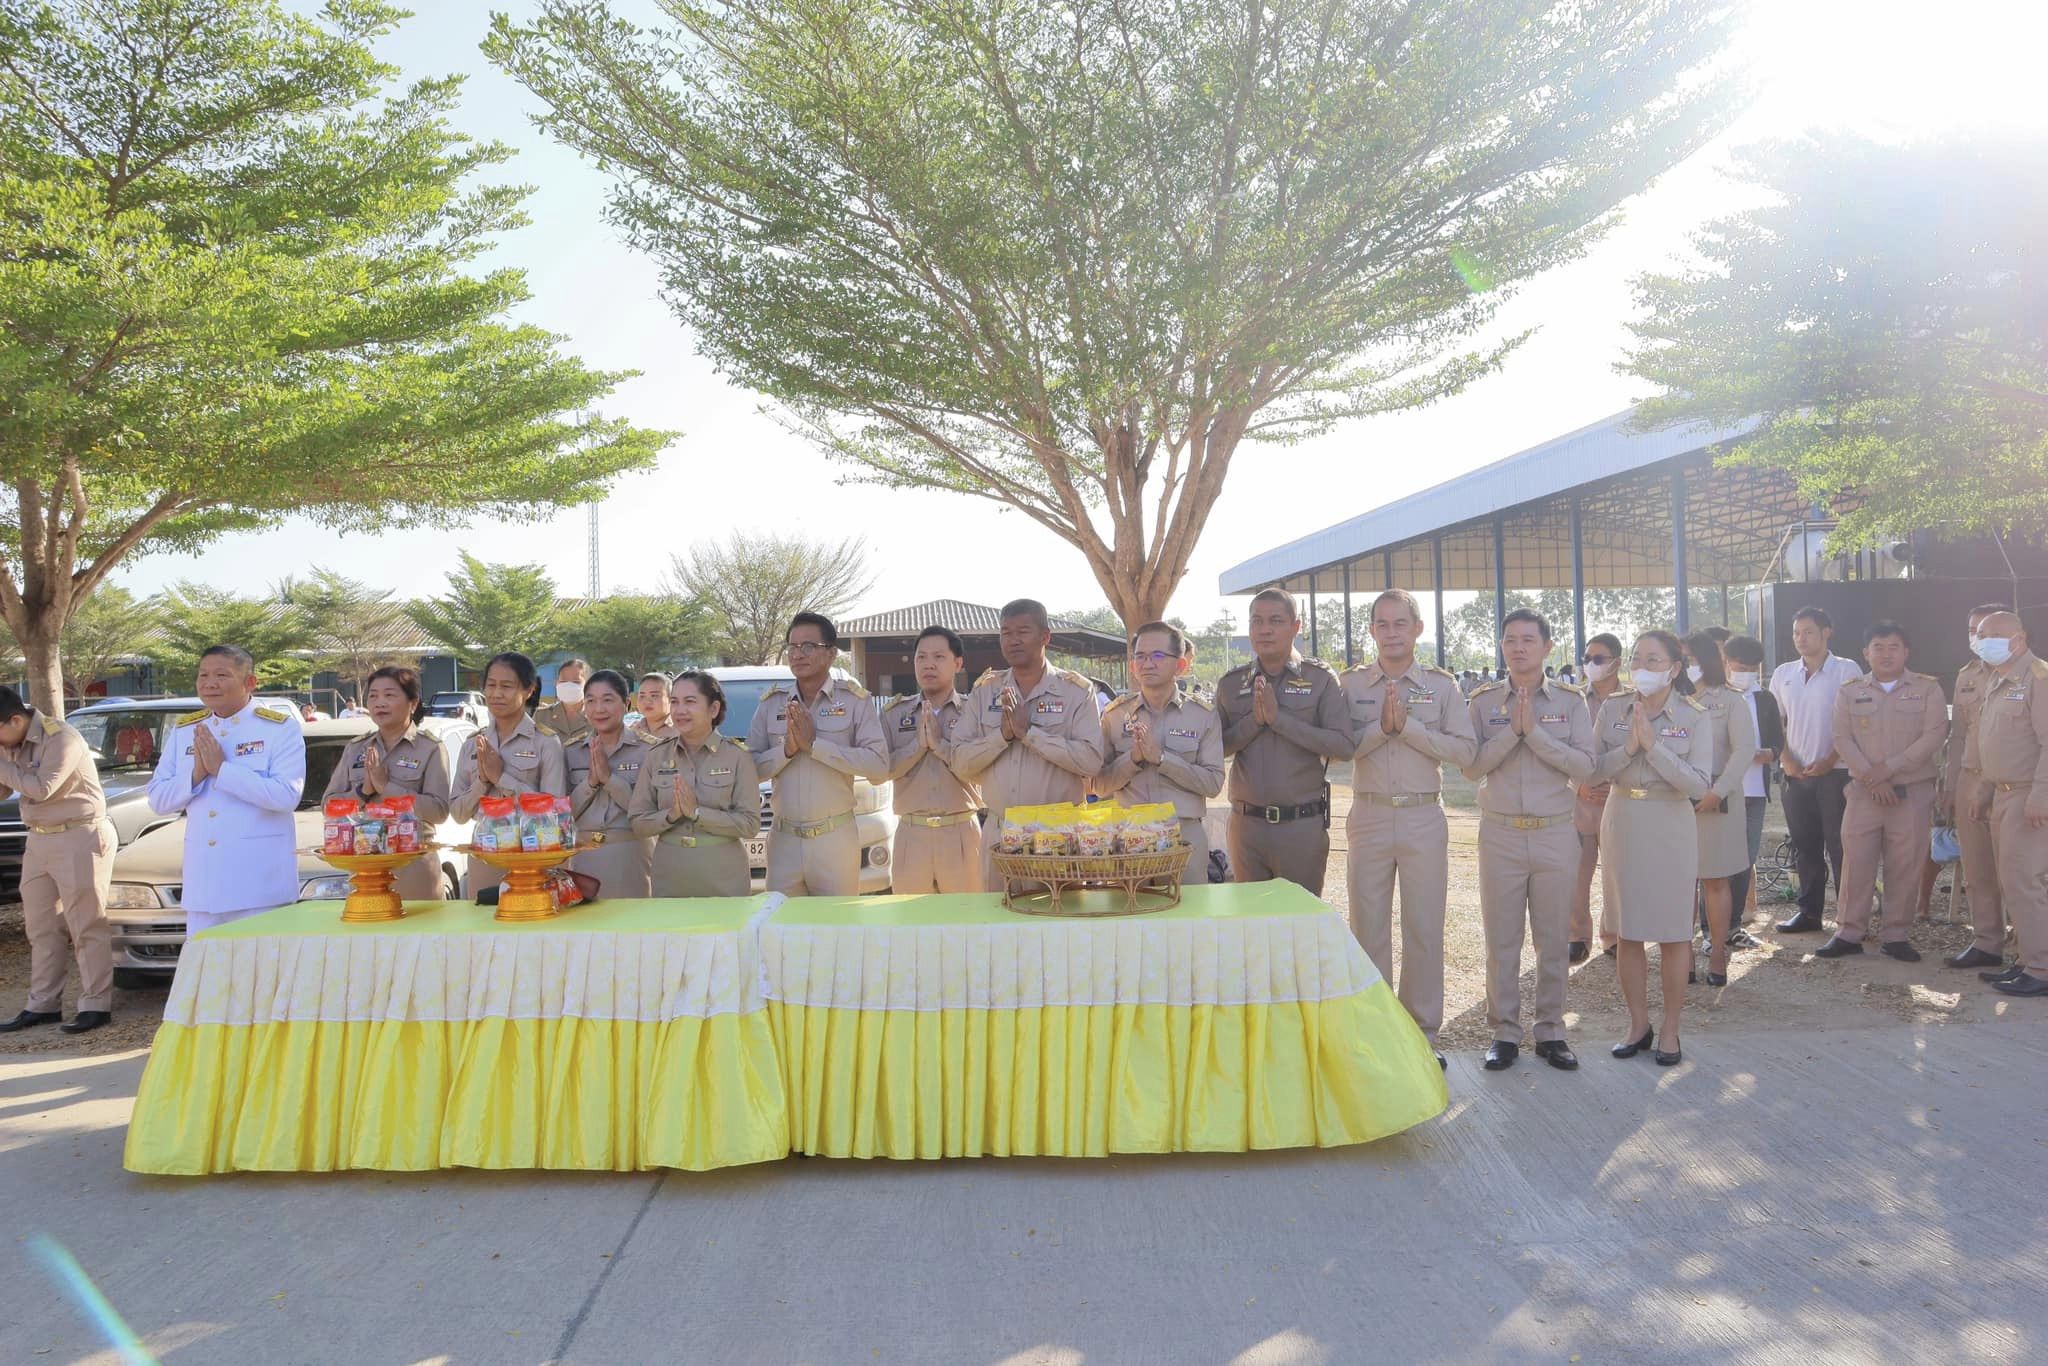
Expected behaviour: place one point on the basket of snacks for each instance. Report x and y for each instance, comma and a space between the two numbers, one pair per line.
1045, 854
528, 838
370, 841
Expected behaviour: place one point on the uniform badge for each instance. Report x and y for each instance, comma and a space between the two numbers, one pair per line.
1420, 695
248, 747
1298, 688
718, 773
1497, 719
1675, 733
526, 754
909, 721
1183, 734
668, 767
1554, 716
407, 764
834, 710
1052, 709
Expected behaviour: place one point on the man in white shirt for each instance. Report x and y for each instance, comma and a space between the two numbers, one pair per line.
1816, 781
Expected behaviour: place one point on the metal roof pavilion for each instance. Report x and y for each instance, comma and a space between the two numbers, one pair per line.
1605, 506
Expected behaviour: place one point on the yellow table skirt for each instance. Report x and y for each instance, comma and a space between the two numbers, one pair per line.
1086, 1081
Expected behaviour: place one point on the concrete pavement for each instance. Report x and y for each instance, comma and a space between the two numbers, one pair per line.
1857, 1194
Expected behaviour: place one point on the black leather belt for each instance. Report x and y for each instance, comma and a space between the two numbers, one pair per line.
1274, 815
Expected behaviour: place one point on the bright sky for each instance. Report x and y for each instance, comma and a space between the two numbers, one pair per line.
1886, 67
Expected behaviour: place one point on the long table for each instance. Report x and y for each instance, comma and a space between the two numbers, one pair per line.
706, 1033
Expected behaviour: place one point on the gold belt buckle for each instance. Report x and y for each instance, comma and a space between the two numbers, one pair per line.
1527, 822
1638, 793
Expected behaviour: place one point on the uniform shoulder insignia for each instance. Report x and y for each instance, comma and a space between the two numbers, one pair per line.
735, 742
272, 714
51, 725
1574, 689
1695, 704
1197, 700
1077, 679
853, 686
1121, 699
1485, 688
1439, 670
545, 729
645, 736
192, 718
894, 702
986, 676
1319, 664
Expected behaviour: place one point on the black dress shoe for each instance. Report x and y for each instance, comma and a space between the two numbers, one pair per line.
1580, 951
1608, 952
1671, 1059
2023, 985
1717, 979
1500, 1055
86, 1021
1629, 1050
1443, 1064
1838, 947
2003, 975
1558, 1054
1974, 957
1900, 950
1800, 924
29, 1019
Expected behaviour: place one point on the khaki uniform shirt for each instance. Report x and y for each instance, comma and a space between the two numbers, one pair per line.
1060, 751
533, 763
56, 774
818, 785
1287, 763
1678, 761
605, 807
1901, 729
1971, 681
1438, 730
2009, 743
1190, 767
925, 783
555, 716
414, 767
721, 773
1532, 774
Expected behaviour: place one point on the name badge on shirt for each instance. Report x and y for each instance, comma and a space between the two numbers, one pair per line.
1496, 720
1420, 695
718, 772
1052, 709
526, 754
1183, 734
402, 763
1675, 733
247, 747
834, 710
668, 767
1554, 716
1298, 688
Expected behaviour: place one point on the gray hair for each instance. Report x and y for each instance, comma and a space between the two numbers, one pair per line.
242, 657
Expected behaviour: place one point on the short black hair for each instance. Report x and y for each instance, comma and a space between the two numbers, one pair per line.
1027, 607
243, 659
11, 705
1527, 614
1281, 596
573, 662
612, 679
1706, 657
522, 669
1817, 615
708, 685
1746, 649
1718, 634
406, 680
951, 638
1607, 638
1886, 627
827, 632
1168, 629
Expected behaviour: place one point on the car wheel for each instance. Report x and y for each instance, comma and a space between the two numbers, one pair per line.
451, 885
135, 979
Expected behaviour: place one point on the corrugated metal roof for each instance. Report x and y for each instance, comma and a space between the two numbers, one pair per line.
961, 618
1604, 450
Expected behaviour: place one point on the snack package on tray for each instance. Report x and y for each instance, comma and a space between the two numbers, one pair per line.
497, 824
568, 889
402, 833
566, 814
338, 827
1149, 828
1095, 829
373, 828
540, 824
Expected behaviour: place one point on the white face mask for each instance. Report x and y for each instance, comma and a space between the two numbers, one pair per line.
571, 693
1599, 673
1647, 682
1695, 672
1993, 650
1744, 682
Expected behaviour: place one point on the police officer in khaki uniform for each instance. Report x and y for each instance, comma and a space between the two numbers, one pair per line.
1030, 734
64, 870
564, 716
398, 759
513, 754
1980, 869
1410, 720
813, 738
698, 797
1889, 725
603, 766
1284, 720
938, 836
1535, 744
1603, 680
2010, 749
1161, 744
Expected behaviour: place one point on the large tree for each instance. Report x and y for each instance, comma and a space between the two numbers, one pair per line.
637, 634
355, 627
1881, 313
752, 583
235, 286
195, 616
489, 608
1067, 257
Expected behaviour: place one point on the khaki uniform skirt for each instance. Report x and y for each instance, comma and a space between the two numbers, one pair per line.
623, 865
712, 867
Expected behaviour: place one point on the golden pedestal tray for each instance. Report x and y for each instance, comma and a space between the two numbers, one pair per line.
1037, 884
524, 893
371, 897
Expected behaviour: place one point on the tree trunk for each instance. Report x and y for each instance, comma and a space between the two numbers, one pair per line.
45, 672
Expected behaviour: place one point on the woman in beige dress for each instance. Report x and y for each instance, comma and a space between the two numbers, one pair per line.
1655, 747
513, 754
699, 797
1722, 818
604, 765
398, 759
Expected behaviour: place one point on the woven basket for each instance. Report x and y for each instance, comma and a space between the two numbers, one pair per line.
1037, 884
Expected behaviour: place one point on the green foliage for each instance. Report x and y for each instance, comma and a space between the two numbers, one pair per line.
489, 608
637, 635
752, 583
1065, 257
240, 279
112, 625
192, 616
1882, 317
354, 626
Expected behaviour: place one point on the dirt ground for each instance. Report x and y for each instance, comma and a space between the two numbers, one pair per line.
1780, 983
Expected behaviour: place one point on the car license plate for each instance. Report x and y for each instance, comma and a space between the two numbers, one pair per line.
757, 853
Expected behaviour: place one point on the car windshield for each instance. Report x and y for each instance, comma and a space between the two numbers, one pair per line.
321, 757
741, 697
125, 739
448, 699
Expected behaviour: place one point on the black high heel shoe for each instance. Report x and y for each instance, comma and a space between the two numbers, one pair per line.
1629, 1050
1717, 979
1671, 1059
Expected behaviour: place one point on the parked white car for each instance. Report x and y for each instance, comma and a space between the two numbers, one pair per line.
144, 902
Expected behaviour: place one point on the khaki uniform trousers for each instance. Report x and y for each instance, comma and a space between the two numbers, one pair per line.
2022, 876
944, 858
1897, 838
1197, 840
64, 881
1410, 845
1526, 878
824, 865
1980, 871
716, 867
1297, 850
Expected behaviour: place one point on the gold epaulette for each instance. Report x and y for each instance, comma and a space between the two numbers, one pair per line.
1692, 702
51, 725
545, 729
1484, 688
193, 718
273, 714
1439, 669
851, 685
986, 675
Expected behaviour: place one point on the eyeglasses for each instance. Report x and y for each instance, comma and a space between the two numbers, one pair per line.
1599, 659
806, 647
1154, 657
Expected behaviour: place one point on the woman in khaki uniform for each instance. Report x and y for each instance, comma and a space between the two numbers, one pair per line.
511, 755
699, 797
1722, 817
1656, 746
652, 699
604, 766
399, 760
